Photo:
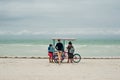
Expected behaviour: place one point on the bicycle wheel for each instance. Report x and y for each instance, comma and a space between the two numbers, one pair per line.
76, 58
56, 59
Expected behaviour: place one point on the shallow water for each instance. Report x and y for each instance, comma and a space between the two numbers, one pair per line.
39, 47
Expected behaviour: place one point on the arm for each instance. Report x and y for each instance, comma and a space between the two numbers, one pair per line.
62, 48
48, 49
56, 47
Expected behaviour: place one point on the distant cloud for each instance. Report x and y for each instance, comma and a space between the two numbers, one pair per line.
88, 31
23, 32
60, 17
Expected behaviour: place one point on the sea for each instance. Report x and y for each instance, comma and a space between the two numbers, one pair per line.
39, 47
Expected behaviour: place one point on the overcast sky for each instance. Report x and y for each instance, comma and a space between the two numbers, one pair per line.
63, 17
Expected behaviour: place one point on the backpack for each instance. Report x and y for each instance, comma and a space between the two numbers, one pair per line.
71, 50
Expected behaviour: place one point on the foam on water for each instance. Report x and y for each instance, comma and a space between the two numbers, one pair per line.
33, 48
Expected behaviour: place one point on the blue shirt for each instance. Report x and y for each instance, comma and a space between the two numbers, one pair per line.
50, 49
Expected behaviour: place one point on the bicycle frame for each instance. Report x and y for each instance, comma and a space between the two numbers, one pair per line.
63, 56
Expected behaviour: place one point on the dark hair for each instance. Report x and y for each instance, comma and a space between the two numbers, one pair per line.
70, 42
58, 39
50, 44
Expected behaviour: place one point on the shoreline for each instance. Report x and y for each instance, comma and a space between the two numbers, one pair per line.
45, 57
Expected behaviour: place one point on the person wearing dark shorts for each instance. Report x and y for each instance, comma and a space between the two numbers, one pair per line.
71, 50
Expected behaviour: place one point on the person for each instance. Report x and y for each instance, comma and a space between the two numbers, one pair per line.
60, 50
50, 53
71, 50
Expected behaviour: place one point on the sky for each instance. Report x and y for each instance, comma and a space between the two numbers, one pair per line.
53, 18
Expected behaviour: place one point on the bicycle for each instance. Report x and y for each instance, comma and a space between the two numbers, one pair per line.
76, 57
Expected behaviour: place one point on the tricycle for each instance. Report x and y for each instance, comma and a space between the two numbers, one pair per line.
76, 56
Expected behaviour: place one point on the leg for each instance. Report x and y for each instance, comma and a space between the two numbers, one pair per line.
59, 56
72, 57
50, 56
71, 60
49, 59
68, 58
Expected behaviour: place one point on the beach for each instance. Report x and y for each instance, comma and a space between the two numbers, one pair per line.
41, 69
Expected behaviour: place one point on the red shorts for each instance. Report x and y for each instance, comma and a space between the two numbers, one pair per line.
50, 54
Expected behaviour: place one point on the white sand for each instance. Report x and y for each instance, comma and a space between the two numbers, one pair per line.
40, 69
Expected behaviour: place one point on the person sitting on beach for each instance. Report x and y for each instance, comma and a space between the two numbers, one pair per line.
71, 50
60, 50
50, 52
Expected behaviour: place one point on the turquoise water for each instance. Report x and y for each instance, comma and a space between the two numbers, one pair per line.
38, 47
